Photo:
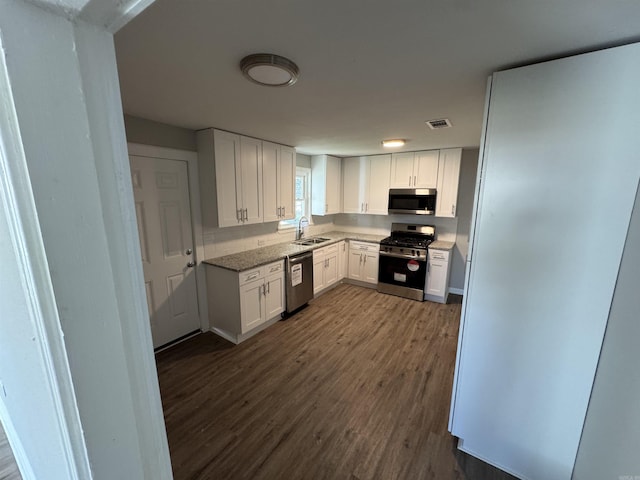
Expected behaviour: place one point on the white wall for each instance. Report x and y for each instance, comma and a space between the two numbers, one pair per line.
148, 132
611, 435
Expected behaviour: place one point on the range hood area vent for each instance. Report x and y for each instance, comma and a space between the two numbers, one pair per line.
440, 123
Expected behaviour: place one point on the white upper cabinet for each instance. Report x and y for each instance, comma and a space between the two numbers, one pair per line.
326, 184
425, 168
366, 184
286, 185
254, 180
448, 177
251, 177
377, 186
351, 181
278, 174
414, 169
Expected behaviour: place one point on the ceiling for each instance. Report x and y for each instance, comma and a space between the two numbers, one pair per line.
369, 69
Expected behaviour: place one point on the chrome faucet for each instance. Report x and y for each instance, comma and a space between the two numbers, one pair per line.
299, 231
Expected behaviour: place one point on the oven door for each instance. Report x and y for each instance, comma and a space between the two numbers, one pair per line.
402, 271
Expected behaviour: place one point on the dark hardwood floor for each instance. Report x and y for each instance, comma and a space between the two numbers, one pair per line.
8, 467
355, 386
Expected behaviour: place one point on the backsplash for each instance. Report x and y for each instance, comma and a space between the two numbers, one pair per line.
225, 241
446, 228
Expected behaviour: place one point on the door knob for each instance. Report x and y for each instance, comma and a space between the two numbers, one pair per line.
191, 264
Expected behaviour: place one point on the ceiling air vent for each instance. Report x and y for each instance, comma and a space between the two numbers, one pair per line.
440, 123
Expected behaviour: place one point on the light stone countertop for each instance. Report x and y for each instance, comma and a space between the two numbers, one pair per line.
441, 245
239, 262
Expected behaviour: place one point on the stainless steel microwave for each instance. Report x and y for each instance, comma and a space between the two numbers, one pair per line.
413, 201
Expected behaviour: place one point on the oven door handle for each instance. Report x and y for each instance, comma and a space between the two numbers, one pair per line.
399, 255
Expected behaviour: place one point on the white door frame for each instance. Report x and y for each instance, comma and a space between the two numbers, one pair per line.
191, 158
67, 198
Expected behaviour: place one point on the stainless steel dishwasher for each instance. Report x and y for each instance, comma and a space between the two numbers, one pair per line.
299, 280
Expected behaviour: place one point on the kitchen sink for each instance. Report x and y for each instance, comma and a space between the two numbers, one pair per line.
311, 241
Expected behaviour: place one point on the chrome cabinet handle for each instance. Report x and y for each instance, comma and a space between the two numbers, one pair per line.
453, 209
269, 287
191, 264
284, 211
246, 214
366, 207
414, 180
264, 289
253, 275
409, 180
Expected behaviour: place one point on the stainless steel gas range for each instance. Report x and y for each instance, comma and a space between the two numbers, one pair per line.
402, 267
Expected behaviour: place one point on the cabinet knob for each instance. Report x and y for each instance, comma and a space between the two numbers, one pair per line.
191, 264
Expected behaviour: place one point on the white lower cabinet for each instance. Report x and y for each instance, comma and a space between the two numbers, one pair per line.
363, 262
243, 303
343, 259
325, 267
438, 268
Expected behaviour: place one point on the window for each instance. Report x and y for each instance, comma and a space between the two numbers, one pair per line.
302, 197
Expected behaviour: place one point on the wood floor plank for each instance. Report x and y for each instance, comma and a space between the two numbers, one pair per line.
355, 386
8, 467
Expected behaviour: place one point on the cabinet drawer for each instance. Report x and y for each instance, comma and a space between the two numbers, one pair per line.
367, 247
273, 267
261, 272
331, 249
439, 255
251, 275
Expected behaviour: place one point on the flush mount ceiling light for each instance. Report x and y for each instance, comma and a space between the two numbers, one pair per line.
268, 69
395, 143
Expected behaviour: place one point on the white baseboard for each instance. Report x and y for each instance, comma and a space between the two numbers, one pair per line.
456, 291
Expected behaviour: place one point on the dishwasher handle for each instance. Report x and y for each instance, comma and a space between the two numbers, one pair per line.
300, 258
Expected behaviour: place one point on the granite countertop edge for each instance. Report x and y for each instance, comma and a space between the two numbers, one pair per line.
442, 245
247, 260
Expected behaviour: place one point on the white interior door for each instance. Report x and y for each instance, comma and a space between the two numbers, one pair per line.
161, 192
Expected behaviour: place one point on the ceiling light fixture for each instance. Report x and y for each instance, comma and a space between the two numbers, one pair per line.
395, 143
268, 69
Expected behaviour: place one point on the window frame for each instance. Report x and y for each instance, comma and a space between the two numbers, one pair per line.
293, 223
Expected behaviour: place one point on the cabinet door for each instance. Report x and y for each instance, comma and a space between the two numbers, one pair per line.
401, 170
333, 185
251, 169
274, 299
287, 178
270, 180
355, 264
318, 272
370, 267
331, 269
352, 201
343, 260
226, 153
378, 184
448, 177
425, 169
251, 305
436, 278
